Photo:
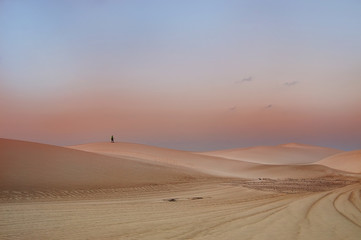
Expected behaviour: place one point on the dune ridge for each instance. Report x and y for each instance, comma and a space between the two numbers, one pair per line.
284, 154
346, 161
26, 165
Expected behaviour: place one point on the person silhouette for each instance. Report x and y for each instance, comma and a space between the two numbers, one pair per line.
112, 139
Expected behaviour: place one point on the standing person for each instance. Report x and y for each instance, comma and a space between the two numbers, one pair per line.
112, 139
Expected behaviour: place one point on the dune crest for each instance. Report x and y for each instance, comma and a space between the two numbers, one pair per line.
346, 161
284, 154
27, 165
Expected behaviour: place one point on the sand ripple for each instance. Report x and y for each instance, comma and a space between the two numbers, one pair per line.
200, 210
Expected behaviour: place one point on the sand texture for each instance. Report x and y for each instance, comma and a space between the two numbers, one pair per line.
133, 191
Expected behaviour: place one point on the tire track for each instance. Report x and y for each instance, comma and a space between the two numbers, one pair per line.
315, 203
337, 202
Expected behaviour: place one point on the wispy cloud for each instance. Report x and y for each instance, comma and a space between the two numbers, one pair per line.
289, 84
232, 108
249, 79
268, 106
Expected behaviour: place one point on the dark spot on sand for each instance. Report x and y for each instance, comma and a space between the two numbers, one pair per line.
171, 199
196, 198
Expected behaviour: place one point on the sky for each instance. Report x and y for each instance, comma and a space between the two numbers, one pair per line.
191, 75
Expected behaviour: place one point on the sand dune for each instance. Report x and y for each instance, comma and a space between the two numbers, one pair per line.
212, 165
26, 165
347, 161
133, 191
284, 154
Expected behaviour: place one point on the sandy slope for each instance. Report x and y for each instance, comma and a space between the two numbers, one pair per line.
347, 161
209, 210
291, 153
212, 165
26, 165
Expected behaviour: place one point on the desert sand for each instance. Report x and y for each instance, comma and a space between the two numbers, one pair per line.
292, 153
348, 161
211, 165
134, 191
38, 166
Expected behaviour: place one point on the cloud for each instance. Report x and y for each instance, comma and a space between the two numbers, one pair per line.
249, 79
232, 108
289, 84
268, 106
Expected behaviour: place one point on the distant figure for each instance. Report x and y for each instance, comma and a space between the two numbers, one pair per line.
112, 139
